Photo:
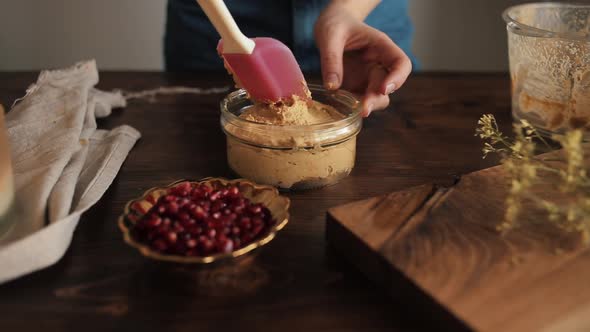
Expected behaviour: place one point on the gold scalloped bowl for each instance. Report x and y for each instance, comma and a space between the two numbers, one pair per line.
267, 195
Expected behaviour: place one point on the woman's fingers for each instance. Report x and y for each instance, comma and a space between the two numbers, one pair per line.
374, 103
397, 75
386, 53
374, 63
331, 40
373, 99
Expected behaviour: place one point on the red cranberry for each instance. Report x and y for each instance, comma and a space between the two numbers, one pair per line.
233, 191
206, 205
206, 245
181, 189
245, 223
255, 209
228, 246
199, 213
171, 237
178, 227
215, 196
172, 208
191, 243
205, 189
256, 230
218, 206
256, 221
225, 222
189, 223
183, 216
211, 233
154, 222
160, 245
196, 231
163, 230
239, 208
246, 239
224, 244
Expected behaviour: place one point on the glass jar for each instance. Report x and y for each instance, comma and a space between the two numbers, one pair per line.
549, 51
292, 156
6, 180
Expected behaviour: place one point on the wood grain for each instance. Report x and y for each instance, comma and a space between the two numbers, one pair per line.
444, 240
296, 283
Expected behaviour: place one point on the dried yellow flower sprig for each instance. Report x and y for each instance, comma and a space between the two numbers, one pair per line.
527, 170
575, 175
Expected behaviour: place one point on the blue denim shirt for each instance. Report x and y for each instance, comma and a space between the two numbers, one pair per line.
190, 39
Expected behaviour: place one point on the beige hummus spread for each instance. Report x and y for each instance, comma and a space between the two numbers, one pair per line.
287, 158
295, 112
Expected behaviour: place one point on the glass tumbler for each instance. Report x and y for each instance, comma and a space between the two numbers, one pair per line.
6, 179
549, 56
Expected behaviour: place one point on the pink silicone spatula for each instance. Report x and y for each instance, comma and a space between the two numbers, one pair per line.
265, 67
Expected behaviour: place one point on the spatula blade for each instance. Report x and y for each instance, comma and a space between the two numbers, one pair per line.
271, 73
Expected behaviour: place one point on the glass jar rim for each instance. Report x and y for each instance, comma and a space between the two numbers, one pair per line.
527, 30
347, 96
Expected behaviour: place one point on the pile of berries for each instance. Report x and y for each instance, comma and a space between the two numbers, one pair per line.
197, 220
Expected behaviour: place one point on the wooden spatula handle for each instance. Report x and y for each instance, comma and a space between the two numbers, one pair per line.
234, 41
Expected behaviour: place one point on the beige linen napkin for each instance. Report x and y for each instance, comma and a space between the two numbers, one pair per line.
62, 164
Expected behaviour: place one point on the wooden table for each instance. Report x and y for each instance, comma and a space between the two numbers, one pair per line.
296, 283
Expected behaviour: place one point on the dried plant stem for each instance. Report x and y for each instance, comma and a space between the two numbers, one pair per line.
527, 171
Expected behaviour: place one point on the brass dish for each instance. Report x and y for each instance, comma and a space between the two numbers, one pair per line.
268, 195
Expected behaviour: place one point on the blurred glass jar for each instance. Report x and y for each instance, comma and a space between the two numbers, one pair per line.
292, 157
549, 46
6, 179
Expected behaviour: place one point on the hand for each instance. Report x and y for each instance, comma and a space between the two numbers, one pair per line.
359, 58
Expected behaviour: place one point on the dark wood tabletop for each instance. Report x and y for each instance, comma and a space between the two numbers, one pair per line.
295, 283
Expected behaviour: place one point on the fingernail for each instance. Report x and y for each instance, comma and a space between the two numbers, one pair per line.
332, 81
389, 88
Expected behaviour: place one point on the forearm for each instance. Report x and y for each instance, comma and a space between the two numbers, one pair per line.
359, 9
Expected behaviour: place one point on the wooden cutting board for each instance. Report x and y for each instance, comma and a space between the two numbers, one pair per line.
439, 248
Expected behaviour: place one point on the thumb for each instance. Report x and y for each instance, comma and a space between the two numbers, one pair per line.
331, 45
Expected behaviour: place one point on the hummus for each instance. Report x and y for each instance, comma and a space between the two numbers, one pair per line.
294, 112
290, 157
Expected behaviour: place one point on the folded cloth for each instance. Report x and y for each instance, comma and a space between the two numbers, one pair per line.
62, 164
